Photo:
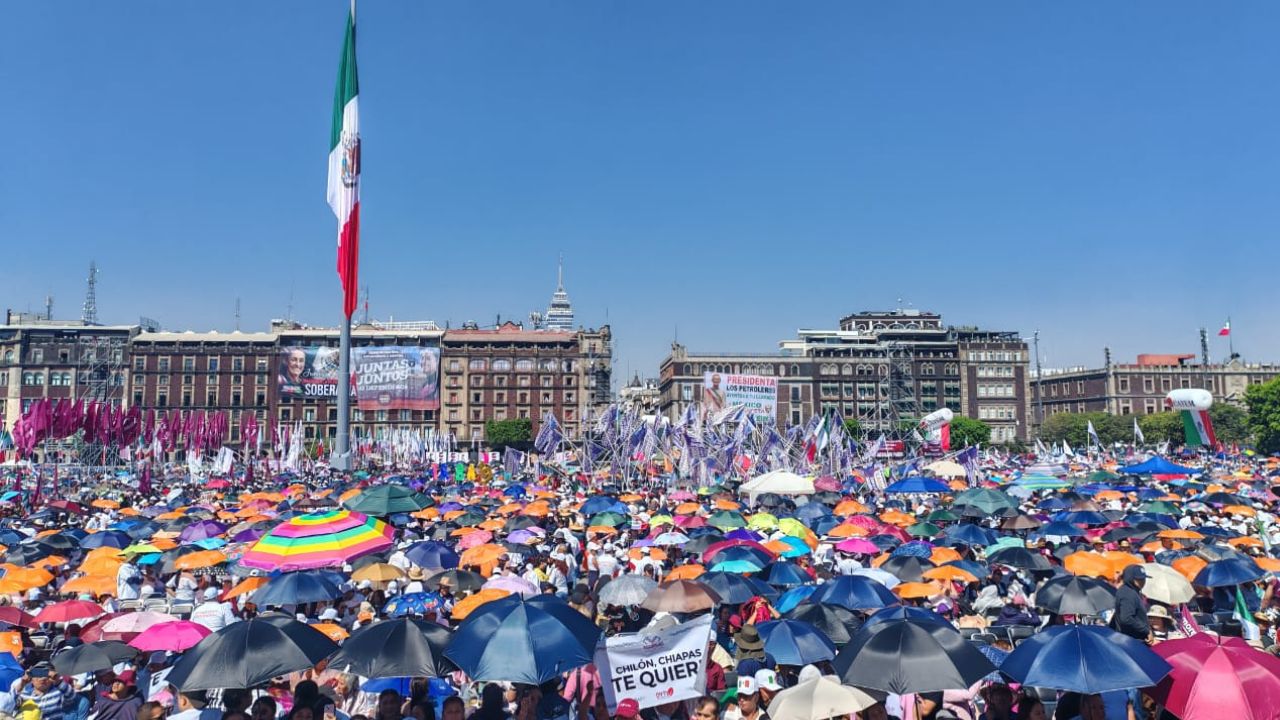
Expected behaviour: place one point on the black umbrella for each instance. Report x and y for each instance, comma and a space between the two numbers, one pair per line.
28, 552
1076, 595
404, 647
1019, 557
699, 545
520, 522
907, 568
837, 623
464, 580
296, 588
910, 656
383, 500
731, 587
250, 653
93, 657
60, 542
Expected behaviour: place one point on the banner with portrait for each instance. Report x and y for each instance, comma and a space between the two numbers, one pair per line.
382, 378
758, 394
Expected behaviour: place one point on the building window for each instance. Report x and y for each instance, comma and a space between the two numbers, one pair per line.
260, 399
237, 379
186, 399
795, 393
213, 364
1166, 384
477, 397
477, 381
286, 413
211, 398
570, 397
502, 365
500, 398
546, 398
500, 381
137, 397
162, 400
163, 381
139, 364
795, 369
1123, 384
686, 392
477, 364
235, 399
523, 380
454, 366
524, 365
188, 363
522, 398
37, 355
1148, 385
237, 363
261, 364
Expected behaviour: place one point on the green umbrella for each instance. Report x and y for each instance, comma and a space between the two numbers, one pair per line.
1005, 542
609, 519
924, 529
985, 499
383, 500
941, 515
1100, 476
726, 520
1162, 507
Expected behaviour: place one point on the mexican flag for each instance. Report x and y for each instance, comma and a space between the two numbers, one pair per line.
344, 168
1198, 428
1248, 627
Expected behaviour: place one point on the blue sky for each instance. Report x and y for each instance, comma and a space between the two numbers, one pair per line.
730, 170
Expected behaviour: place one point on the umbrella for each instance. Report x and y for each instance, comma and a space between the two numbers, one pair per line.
296, 588
907, 568
1166, 585
513, 584
412, 604
986, 500
11, 615
406, 647
322, 539
906, 612
69, 610
250, 653
135, 622
93, 657
377, 572
785, 574
1076, 595
523, 641
1229, 571
107, 538
910, 656
818, 699
794, 642
837, 623
177, 636
429, 554
626, 590
853, 592
1218, 677
680, 596
732, 588
463, 580
383, 500
1086, 659
1019, 557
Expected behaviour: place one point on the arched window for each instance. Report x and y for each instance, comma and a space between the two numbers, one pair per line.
795, 369
688, 370
926, 369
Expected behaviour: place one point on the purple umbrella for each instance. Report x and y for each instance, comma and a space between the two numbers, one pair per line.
202, 530
249, 535
521, 536
743, 534
449, 507
513, 584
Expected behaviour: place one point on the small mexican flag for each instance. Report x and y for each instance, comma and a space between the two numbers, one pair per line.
344, 167
1249, 628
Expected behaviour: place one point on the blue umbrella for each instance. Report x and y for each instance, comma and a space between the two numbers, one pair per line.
906, 612
785, 574
736, 566
10, 670
793, 597
430, 554
754, 555
1054, 503
915, 548
732, 587
107, 538
793, 642
997, 658
797, 548
296, 588
514, 491
523, 641
210, 543
812, 512
413, 604
853, 592
973, 567
970, 534
1081, 517
1232, 570
918, 484
597, 504
1086, 659
1060, 529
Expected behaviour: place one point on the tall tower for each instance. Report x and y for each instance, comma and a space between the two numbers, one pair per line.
560, 313
89, 314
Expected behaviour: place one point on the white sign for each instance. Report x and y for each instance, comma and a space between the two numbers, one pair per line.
656, 667
758, 394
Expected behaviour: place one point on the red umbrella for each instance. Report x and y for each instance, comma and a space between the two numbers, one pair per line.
68, 507
13, 616
1218, 677
92, 631
69, 610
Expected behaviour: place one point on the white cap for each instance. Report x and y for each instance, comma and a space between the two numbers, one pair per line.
211, 593
768, 680
747, 686
329, 614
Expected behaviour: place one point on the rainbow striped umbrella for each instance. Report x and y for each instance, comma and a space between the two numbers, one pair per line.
321, 539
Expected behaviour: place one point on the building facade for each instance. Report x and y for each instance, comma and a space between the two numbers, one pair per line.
883, 368
1139, 388
489, 374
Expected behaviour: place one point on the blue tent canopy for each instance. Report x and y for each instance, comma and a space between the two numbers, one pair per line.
917, 484
1157, 466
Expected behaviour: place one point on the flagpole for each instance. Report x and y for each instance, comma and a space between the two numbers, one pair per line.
1231, 342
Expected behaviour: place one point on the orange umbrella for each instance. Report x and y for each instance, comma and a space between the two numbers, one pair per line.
200, 559
27, 578
655, 552
131, 512
722, 504
50, 562
851, 507
244, 587
427, 514
916, 590
93, 584
685, 572
1239, 510
949, 573
1109, 495
509, 509
491, 525
1245, 542
102, 565
334, 632
482, 554
603, 530
349, 494
1189, 566
630, 498
104, 504
1156, 546
469, 603
537, 509
897, 517
941, 555
453, 514
689, 508
847, 530
1121, 560
1088, 563
163, 543
463, 531
1180, 534
1269, 564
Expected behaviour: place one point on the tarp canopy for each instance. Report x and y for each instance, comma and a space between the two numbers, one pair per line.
780, 482
1157, 466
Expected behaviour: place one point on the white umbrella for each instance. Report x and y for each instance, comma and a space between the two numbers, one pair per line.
627, 590
884, 577
1166, 585
818, 699
669, 539
945, 468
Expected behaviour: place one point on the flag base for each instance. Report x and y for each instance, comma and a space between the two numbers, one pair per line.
340, 462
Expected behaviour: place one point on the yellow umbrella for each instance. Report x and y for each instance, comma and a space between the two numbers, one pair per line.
378, 572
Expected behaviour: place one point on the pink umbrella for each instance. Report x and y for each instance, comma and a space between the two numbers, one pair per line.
136, 622
865, 521
691, 521
472, 539
1218, 677
513, 584
682, 496
69, 610
826, 483
171, 636
858, 546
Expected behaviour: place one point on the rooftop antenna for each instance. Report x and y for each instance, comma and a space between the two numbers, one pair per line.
365, 300
237, 314
288, 315
89, 314
560, 273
